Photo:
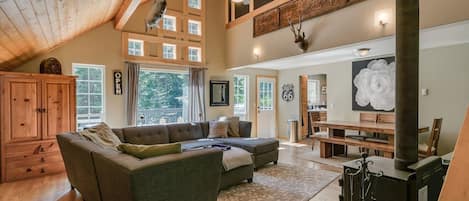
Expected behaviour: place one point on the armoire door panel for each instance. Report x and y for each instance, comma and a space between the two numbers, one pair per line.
57, 106
21, 110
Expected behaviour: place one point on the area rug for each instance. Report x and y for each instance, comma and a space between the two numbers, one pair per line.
281, 182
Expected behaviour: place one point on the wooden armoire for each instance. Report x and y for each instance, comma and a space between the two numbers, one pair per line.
34, 108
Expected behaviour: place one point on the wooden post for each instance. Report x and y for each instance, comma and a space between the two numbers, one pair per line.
407, 83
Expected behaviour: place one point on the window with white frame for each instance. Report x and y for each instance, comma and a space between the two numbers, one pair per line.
194, 27
313, 92
162, 96
241, 96
169, 51
195, 4
169, 23
135, 47
194, 54
90, 94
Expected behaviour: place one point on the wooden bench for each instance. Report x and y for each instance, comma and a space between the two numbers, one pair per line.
327, 146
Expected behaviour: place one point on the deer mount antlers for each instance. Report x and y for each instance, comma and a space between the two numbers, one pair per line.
300, 37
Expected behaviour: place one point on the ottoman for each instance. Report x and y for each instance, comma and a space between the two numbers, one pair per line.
264, 150
237, 167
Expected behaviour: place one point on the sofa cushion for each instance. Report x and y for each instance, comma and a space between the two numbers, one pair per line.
146, 135
183, 132
253, 145
233, 125
194, 144
218, 129
147, 151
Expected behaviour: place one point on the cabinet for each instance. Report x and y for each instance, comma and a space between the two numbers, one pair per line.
35, 108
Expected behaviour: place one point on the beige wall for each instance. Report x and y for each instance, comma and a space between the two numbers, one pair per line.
103, 46
100, 46
443, 71
346, 26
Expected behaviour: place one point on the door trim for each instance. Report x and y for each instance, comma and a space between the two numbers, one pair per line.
275, 103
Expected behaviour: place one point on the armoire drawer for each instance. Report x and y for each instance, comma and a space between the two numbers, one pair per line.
33, 160
33, 171
31, 148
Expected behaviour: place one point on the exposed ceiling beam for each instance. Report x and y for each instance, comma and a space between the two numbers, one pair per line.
125, 12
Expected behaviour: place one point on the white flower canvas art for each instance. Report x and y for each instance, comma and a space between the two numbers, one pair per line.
374, 85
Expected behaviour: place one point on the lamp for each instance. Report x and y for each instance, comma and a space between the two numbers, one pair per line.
362, 52
256, 52
382, 17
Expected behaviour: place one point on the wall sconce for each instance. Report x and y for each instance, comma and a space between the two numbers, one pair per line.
362, 52
382, 17
256, 52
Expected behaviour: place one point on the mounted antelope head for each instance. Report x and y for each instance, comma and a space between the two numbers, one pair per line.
300, 37
156, 13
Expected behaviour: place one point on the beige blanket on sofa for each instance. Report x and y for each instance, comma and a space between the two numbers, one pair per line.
236, 157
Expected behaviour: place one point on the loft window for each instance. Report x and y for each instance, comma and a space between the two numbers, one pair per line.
169, 23
194, 27
195, 4
194, 54
169, 51
90, 94
135, 47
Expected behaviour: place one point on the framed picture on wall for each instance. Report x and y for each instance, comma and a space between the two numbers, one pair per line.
219, 93
374, 85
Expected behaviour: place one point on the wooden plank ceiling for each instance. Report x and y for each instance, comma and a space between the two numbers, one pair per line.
31, 27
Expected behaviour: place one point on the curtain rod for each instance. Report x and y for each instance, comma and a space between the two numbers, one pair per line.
162, 65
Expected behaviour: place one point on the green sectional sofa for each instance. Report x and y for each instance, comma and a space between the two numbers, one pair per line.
196, 174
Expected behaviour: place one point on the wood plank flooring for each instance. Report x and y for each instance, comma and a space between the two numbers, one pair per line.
57, 187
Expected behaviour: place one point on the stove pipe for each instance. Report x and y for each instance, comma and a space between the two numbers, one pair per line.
407, 83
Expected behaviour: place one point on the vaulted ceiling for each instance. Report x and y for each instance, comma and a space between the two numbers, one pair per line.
31, 27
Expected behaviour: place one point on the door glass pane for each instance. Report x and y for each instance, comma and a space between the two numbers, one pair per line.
266, 95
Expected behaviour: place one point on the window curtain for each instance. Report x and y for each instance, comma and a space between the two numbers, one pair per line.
197, 95
133, 72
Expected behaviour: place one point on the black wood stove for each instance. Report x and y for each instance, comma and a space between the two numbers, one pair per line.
378, 179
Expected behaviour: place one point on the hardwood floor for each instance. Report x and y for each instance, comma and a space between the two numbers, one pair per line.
57, 187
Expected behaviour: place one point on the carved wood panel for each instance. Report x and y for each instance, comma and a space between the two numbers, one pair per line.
267, 22
278, 17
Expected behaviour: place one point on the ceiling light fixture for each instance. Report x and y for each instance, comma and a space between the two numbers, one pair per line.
362, 52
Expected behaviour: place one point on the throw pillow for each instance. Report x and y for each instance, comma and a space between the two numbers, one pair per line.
233, 125
218, 129
147, 151
101, 134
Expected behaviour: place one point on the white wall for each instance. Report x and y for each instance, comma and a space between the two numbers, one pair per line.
444, 71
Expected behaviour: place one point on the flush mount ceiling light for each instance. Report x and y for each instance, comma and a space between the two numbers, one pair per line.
362, 52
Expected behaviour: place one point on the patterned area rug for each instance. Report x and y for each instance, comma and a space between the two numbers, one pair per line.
280, 182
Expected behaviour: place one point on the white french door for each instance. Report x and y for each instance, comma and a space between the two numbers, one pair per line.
266, 110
